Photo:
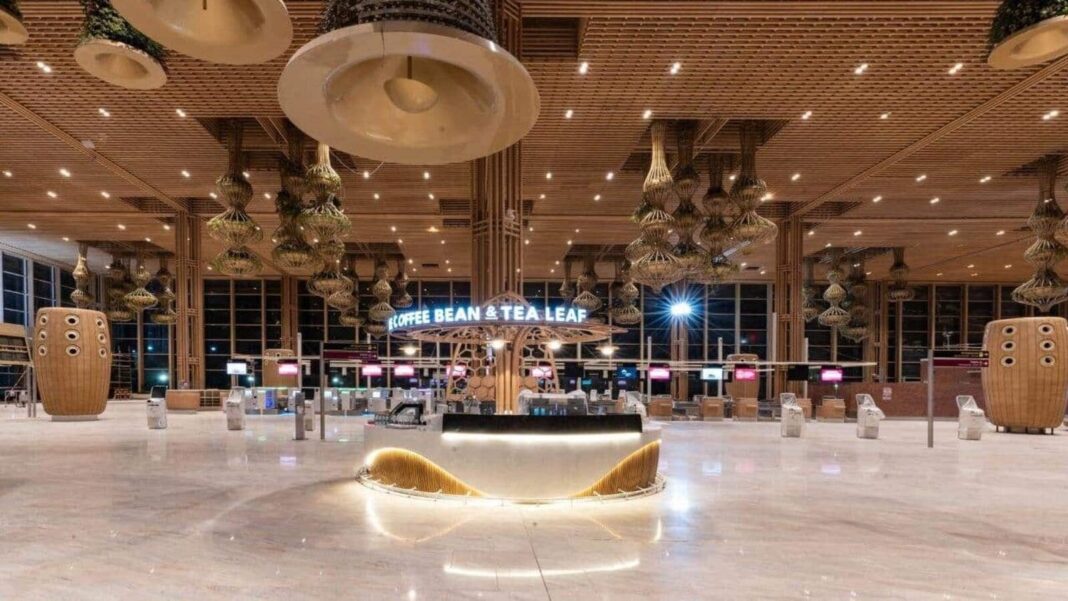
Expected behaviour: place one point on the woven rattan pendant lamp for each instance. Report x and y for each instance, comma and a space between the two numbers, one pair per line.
12, 31
234, 32
415, 82
113, 51
1028, 32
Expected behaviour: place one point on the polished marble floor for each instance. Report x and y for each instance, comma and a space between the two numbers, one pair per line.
110, 510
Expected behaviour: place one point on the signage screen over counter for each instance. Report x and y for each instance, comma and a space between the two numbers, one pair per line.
473, 314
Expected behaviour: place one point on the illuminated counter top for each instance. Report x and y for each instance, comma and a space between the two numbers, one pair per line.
516, 457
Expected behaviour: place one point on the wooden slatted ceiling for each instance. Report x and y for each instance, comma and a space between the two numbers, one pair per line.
769, 59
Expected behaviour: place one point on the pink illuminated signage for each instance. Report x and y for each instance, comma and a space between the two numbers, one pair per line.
457, 371
288, 369
371, 370
830, 374
542, 372
745, 374
403, 370
659, 373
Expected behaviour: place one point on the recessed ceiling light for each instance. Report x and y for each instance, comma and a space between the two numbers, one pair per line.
828, 245
611, 175
180, 113
443, 242
744, 263
584, 68
366, 174
31, 226
985, 179
166, 227
885, 116
246, 174
971, 266
936, 200
210, 269
43, 66
806, 115
956, 68
432, 229
8, 173
147, 239
267, 195
51, 194
213, 195
410, 261
648, 114
548, 175
376, 196
66, 239
952, 232
569, 114
447, 261
877, 199
576, 230
766, 197
448, 269
763, 272
921, 177
64, 172
975, 274
596, 197
552, 271
1051, 115
105, 194
812, 232
795, 177
526, 241
1009, 266
1000, 233
400, 241
675, 68
939, 274
426, 175
530, 229
541, 197
569, 243
103, 112
858, 232
861, 68
392, 228
185, 174
732, 177
430, 195
121, 226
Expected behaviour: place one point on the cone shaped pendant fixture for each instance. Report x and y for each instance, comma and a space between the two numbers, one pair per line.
112, 50
234, 32
12, 31
1028, 33
417, 82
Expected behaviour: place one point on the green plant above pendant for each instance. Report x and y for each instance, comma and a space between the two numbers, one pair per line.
1028, 32
12, 31
112, 50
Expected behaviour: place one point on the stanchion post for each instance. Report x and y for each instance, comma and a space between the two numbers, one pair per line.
930, 398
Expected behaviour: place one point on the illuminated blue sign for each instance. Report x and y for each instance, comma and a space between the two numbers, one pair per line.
492, 313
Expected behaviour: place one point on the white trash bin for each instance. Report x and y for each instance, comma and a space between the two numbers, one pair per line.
868, 417
972, 419
157, 413
793, 416
309, 417
235, 409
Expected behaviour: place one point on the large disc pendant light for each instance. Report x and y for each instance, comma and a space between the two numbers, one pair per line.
112, 50
234, 32
1028, 33
414, 82
12, 31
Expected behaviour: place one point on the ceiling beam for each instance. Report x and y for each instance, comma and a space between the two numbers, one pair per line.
706, 9
76, 145
936, 136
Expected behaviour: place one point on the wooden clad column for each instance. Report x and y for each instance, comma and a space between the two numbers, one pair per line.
790, 324
289, 313
189, 282
497, 195
497, 222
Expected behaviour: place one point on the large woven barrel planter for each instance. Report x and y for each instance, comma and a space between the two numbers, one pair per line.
1027, 382
72, 356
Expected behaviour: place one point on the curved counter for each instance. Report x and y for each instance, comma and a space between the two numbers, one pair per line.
518, 458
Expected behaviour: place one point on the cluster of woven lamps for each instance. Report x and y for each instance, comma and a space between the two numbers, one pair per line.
128, 293
667, 249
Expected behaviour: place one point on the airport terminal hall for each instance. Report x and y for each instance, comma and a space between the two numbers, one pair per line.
533, 300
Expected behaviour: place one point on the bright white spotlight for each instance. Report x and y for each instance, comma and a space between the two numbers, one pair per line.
497, 343
555, 345
410, 350
681, 309
607, 350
